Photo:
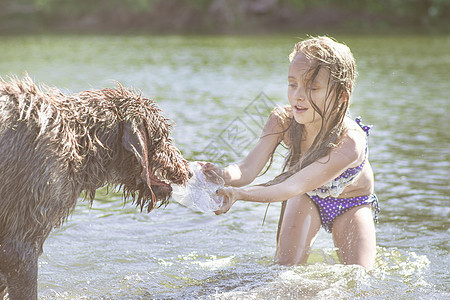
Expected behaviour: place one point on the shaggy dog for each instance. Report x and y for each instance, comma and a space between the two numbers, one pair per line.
53, 147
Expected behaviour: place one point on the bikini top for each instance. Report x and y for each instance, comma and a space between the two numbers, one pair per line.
335, 187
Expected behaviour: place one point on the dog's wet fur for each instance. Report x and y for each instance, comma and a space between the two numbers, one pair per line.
56, 147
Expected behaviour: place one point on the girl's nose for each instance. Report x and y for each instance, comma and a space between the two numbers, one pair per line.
299, 95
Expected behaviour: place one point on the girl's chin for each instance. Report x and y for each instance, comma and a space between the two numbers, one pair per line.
306, 121
300, 120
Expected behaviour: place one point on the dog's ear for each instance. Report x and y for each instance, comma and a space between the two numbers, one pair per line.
138, 143
131, 141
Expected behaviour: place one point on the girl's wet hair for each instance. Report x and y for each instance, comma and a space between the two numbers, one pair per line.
323, 53
336, 57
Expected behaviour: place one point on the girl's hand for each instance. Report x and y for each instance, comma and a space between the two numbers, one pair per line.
230, 197
211, 171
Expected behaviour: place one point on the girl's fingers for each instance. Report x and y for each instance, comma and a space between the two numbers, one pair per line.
209, 167
223, 209
227, 193
220, 211
220, 192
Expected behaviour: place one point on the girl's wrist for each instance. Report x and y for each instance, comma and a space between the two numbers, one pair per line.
240, 194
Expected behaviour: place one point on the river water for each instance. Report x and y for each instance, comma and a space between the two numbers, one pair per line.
217, 91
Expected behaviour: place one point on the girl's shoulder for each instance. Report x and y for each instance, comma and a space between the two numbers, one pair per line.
353, 130
353, 139
279, 120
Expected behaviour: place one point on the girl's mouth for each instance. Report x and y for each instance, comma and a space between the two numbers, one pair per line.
299, 108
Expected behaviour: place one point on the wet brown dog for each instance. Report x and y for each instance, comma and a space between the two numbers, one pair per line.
53, 147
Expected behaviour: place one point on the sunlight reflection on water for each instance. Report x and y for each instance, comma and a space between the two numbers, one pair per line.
112, 251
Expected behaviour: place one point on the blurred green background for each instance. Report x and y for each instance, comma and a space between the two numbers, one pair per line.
224, 16
204, 62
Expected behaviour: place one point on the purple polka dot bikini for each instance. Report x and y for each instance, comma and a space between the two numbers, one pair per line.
325, 197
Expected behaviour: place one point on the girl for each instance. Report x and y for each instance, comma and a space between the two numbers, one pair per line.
327, 178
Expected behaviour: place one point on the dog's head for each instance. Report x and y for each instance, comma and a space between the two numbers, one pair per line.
159, 162
147, 162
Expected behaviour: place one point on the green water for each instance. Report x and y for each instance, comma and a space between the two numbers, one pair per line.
206, 85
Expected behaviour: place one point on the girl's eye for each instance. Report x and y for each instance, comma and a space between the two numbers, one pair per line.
293, 85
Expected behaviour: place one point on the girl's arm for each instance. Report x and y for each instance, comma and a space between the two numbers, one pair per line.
245, 172
345, 155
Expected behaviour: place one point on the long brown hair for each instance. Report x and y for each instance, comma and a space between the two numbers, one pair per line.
322, 52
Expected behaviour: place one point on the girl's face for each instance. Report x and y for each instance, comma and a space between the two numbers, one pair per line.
300, 89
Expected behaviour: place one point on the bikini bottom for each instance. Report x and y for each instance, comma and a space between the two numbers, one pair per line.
330, 208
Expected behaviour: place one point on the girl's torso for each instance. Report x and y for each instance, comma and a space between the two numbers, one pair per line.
360, 175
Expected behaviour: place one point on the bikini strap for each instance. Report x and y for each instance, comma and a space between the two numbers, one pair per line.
366, 128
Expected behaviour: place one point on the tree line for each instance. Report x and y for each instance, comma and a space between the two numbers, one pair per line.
222, 15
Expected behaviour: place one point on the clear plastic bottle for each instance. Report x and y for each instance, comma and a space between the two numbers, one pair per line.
199, 194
